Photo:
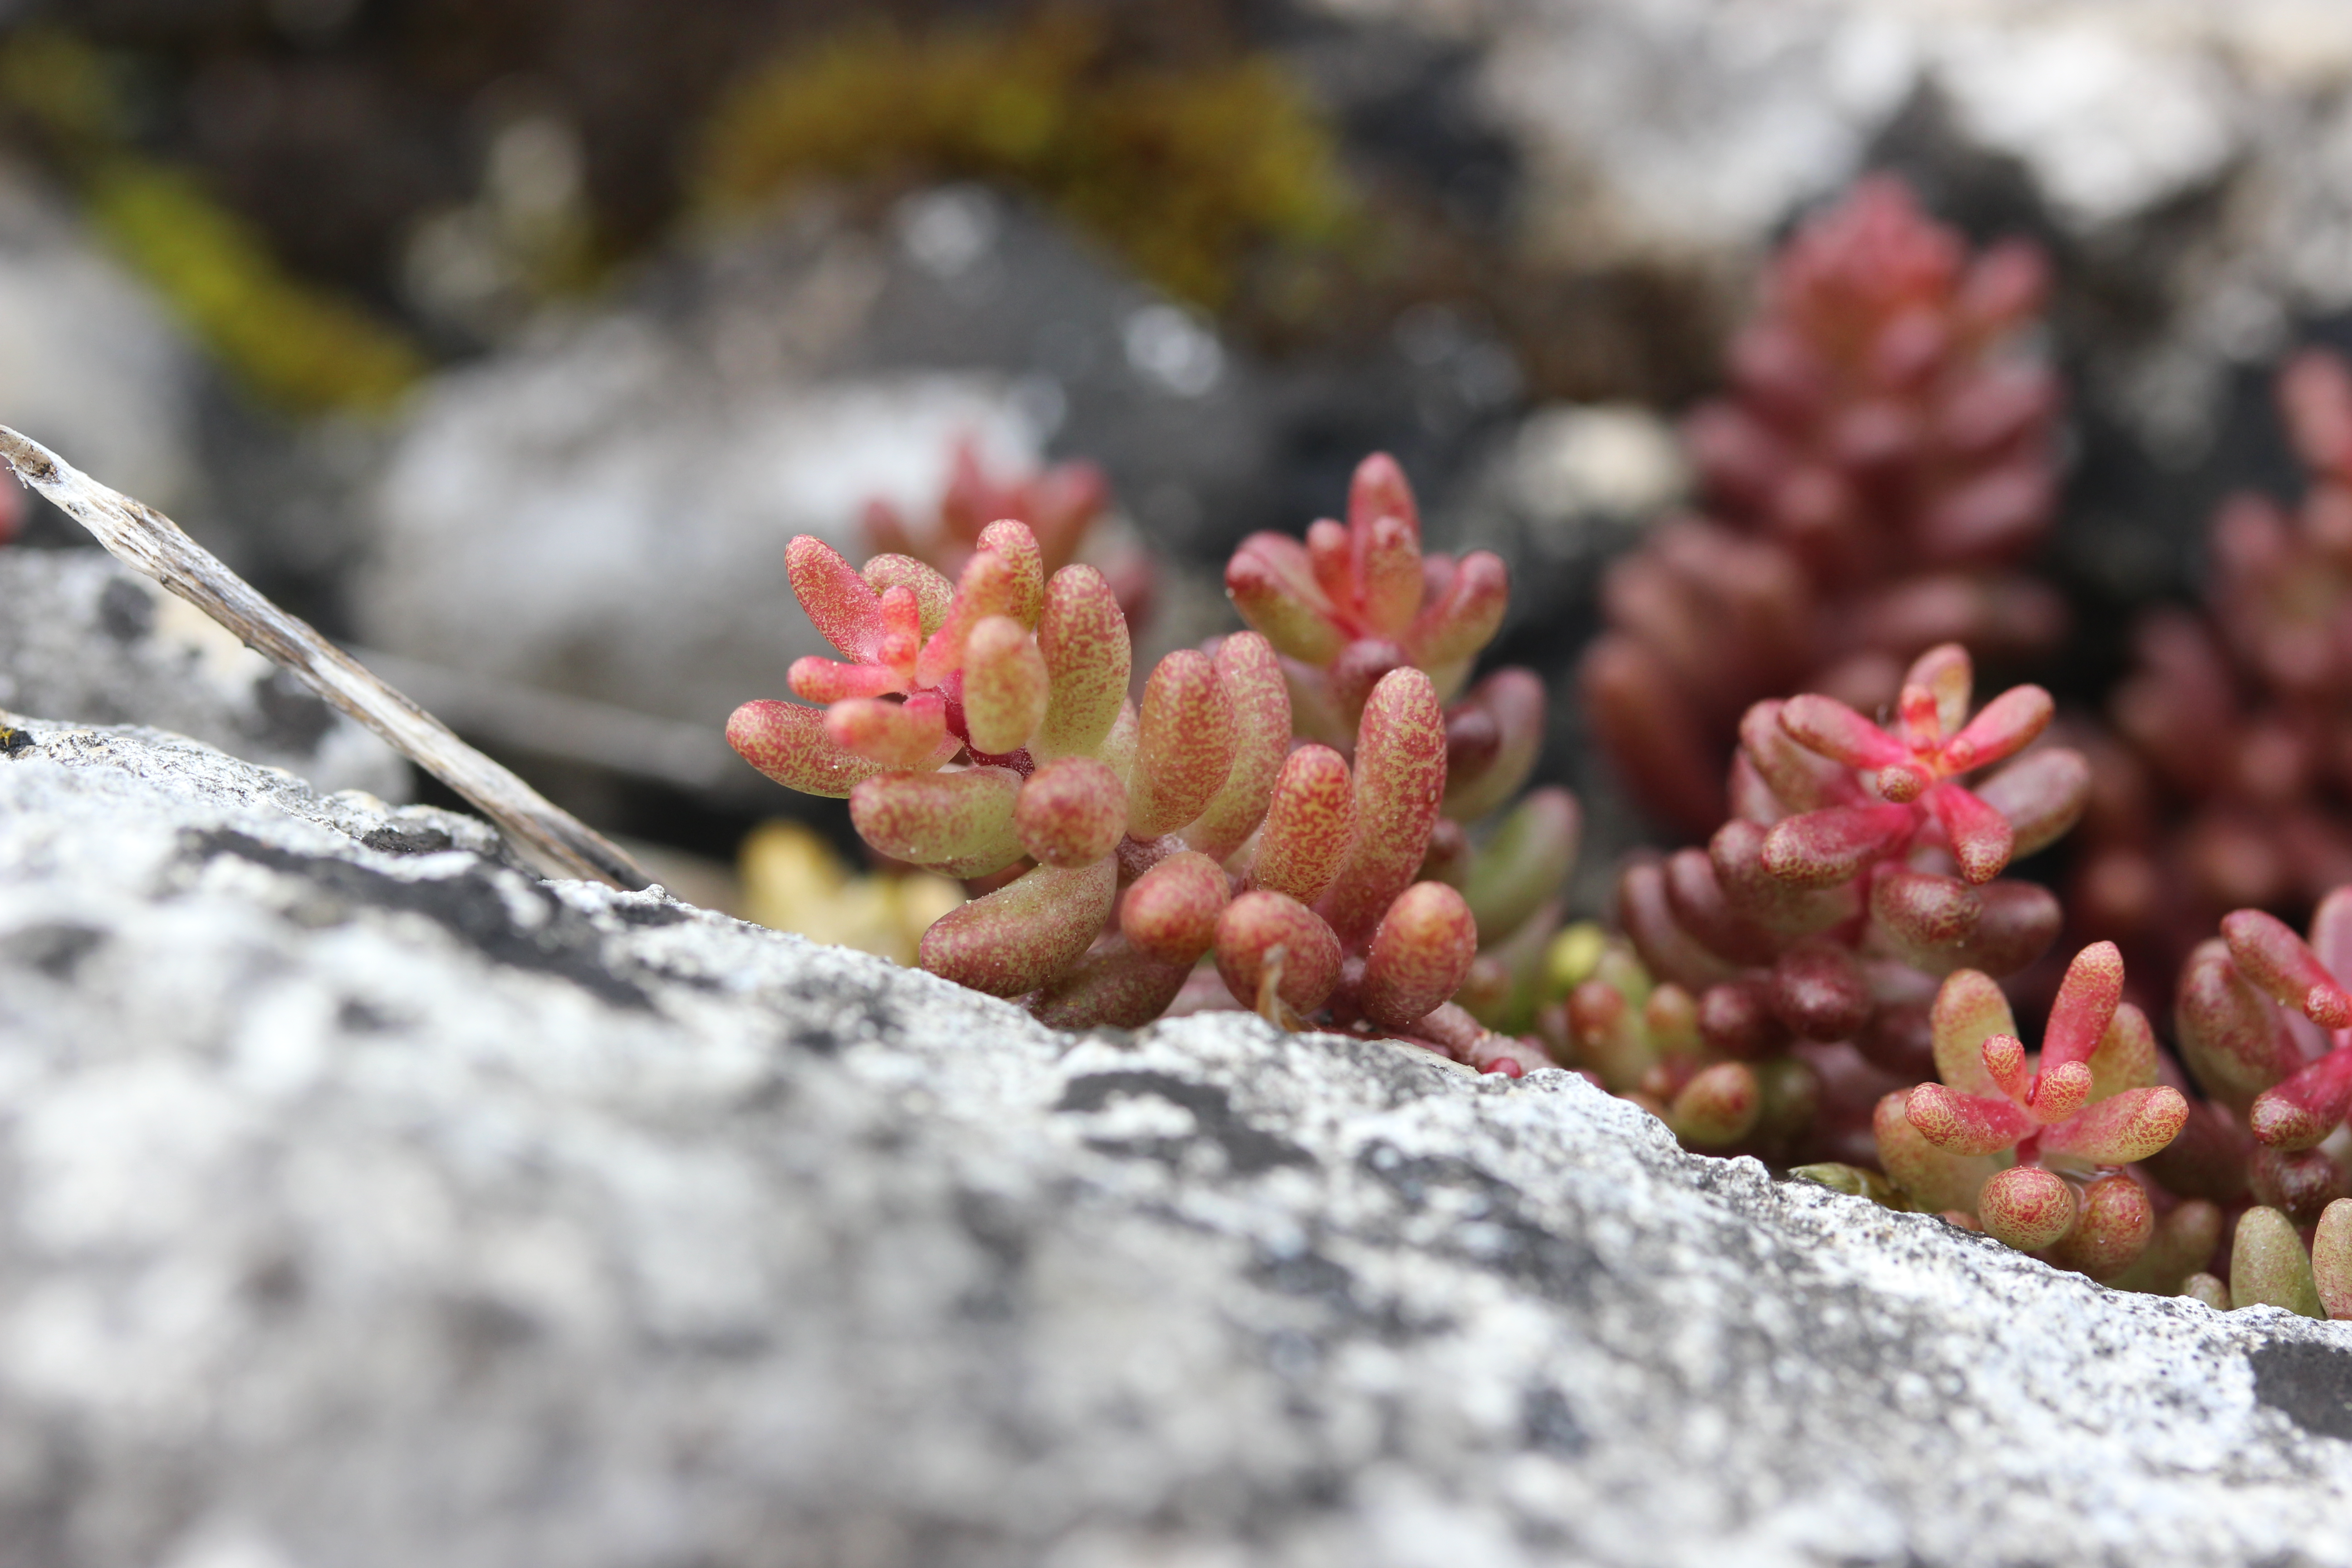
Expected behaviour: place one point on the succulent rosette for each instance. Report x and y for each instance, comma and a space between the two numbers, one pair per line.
2032, 1146
982, 728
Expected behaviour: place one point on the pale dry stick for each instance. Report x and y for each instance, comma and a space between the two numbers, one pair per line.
154, 545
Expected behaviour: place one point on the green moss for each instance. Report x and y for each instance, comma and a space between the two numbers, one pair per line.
289, 345
1186, 171
288, 342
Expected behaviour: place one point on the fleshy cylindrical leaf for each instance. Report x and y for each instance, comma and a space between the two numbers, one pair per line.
846, 609
2300, 1111
1309, 824
1735, 854
1082, 634
2006, 725
2268, 952
2042, 796
2060, 1092
1378, 489
1259, 699
1170, 911
1465, 617
990, 586
1071, 811
1185, 747
1945, 673
2114, 1223
1272, 583
2298, 1183
1004, 686
2020, 919
2127, 1057
1982, 840
1965, 1124
2331, 1259
1113, 986
1419, 954
1399, 775
1828, 726
788, 742
2122, 1128
2269, 1267
1669, 952
2230, 1033
1022, 935
1026, 562
932, 819
2206, 1289
2026, 1207
1970, 1010
909, 734
1923, 913
1387, 565
2085, 1005
1717, 1108
1821, 849
933, 593
1819, 991
1525, 862
823, 680
1934, 1179
1514, 699
1256, 925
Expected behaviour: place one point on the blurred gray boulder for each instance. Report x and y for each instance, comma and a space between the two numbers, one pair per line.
85, 637
369, 1203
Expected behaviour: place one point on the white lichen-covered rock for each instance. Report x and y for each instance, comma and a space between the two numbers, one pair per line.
363, 1201
83, 635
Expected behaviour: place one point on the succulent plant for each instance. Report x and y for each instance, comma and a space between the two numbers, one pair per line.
2234, 786
1885, 455
2031, 1149
2272, 1264
2267, 1027
1858, 869
982, 730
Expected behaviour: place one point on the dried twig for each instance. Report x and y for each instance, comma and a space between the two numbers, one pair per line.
154, 545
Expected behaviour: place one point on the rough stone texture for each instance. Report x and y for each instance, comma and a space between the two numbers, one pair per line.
364, 1202
84, 636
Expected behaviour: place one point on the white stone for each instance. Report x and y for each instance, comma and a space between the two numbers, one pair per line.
625, 1234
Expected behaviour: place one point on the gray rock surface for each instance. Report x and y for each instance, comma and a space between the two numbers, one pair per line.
84, 637
365, 1201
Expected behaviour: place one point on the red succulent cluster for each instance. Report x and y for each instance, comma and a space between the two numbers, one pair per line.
2267, 1026
2235, 787
982, 728
1884, 456
1859, 868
